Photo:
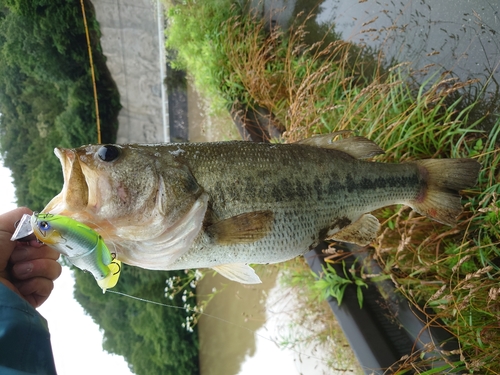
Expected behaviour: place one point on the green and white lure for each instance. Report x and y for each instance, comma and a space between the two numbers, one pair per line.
83, 246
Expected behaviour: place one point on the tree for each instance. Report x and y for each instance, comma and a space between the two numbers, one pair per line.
149, 336
46, 94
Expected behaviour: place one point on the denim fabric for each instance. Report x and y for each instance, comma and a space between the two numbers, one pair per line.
24, 337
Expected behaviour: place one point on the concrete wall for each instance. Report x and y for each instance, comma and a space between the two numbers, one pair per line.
130, 42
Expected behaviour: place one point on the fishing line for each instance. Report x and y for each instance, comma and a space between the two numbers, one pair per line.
214, 317
92, 72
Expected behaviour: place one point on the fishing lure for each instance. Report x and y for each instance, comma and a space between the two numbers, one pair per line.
83, 246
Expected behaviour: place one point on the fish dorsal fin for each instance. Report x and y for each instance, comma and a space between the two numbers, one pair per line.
244, 228
239, 272
361, 232
357, 147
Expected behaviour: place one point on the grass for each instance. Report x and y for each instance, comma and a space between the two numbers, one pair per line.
332, 85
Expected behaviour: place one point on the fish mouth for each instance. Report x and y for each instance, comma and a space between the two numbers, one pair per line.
74, 196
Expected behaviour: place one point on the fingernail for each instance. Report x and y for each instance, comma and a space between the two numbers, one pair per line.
23, 269
19, 254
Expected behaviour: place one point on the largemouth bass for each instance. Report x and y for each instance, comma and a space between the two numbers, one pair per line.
225, 205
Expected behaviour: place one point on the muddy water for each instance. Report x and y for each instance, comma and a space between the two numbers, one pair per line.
204, 126
459, 36
226, 341
245, 325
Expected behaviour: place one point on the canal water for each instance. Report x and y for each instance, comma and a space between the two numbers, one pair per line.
461, 36
254, 331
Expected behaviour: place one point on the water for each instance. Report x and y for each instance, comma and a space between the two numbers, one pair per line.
224, 347
204, 126
427, 33
430, 36
257, 331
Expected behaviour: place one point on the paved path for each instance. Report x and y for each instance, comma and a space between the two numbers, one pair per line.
131, 44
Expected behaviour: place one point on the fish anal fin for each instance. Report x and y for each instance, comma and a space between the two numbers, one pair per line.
239, 272
362, 232
244, 228
357, 147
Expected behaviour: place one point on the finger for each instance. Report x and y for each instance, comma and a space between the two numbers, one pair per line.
46, 268
7, 227
26, 253
35, 290
8, 219
32, 243
35, 243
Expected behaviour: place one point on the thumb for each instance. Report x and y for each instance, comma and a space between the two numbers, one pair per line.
7, 227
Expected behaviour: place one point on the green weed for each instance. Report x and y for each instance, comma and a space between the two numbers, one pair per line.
331, 284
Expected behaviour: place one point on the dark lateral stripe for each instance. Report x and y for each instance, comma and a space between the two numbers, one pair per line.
318, 188
351, 184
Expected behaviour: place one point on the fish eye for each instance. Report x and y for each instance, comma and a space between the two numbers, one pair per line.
43, 225
108, 153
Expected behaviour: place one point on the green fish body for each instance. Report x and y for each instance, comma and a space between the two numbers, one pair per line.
225, 205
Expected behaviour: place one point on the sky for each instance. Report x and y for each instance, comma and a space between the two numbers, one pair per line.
76, 339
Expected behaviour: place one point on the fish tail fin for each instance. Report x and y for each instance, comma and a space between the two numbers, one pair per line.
439, 199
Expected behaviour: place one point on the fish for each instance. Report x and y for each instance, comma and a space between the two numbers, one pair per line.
83, 246
226, 205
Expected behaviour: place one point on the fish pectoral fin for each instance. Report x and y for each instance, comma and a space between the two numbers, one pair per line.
357, 147
362, 232
244, 228
239, 272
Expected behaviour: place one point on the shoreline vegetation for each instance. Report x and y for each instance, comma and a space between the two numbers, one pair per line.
313, 83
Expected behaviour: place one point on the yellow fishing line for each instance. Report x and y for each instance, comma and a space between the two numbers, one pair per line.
91, 60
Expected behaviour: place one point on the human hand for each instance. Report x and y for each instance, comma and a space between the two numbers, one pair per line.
27, 268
